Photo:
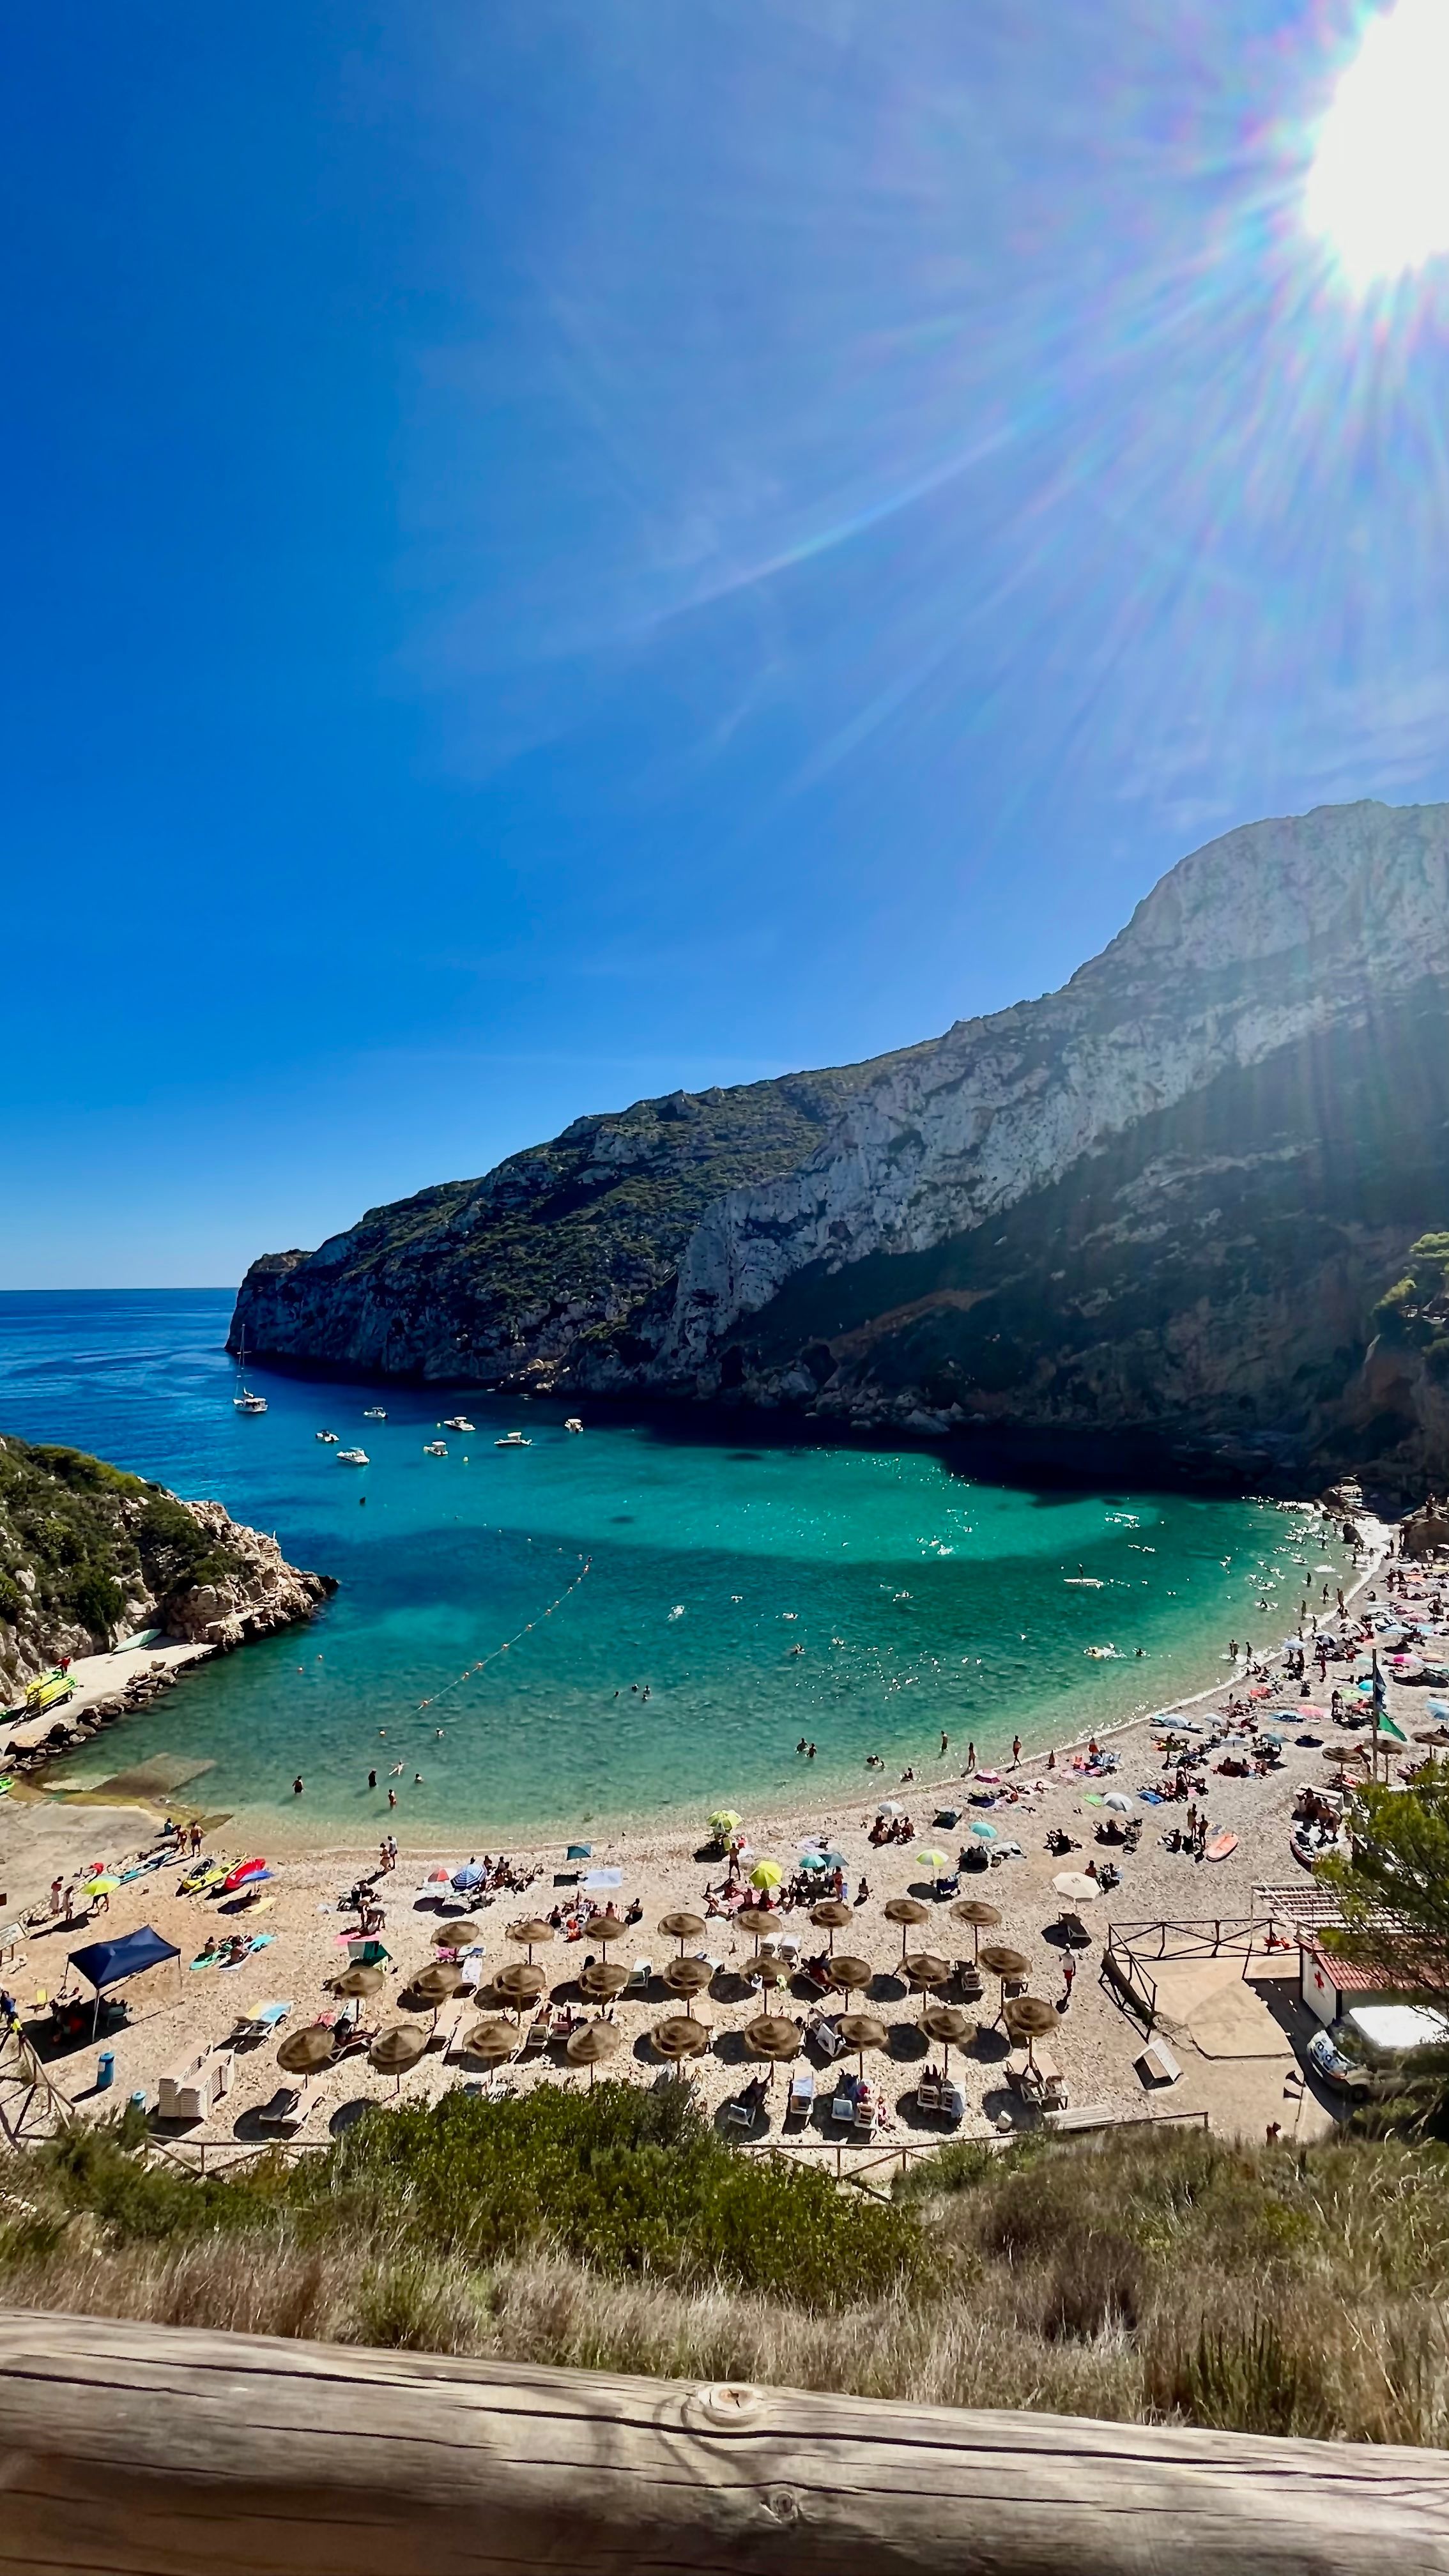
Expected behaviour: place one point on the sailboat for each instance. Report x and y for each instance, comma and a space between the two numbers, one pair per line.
244, 1401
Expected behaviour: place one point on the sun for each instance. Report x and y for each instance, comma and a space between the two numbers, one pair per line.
1378, 191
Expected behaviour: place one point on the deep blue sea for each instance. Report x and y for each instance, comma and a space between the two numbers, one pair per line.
759, 1588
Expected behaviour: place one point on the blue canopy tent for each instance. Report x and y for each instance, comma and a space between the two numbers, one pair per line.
109, 1963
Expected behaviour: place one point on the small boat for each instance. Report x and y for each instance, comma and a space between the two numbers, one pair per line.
513, 1440
352, 1458
457, 1422
374, 1413
244, 1401
435, 1448
573, 1423
328, 1435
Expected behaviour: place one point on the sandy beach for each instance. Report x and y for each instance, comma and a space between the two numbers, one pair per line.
1243, 2076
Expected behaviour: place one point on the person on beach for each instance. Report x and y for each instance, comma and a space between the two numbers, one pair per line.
1016, 1753
1069, 1974
297, 1786
970, 1756
392, 1797
945, 1741
372, 1779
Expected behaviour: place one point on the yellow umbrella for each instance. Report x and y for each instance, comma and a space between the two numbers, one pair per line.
104, 1885
766, 1873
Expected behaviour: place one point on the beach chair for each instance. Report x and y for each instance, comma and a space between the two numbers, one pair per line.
537, 2036
826, 2036
742, 2113
802, 2094
866, 2115
640, 1976
928, 2094
842, 2109
953, 2103
282, 2108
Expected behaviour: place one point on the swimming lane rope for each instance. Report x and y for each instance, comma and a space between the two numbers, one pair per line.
470, 1671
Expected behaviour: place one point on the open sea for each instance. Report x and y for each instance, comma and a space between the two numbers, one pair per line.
631, 1626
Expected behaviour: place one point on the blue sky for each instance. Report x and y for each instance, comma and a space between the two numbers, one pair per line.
557, 548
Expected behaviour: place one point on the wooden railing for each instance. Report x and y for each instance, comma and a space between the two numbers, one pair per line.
163, 2453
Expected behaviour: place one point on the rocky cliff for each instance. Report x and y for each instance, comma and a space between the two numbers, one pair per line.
1158, 1205
88, 1553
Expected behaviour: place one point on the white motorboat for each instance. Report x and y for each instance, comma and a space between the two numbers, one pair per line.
573, 1423
435, 1448
458, 1422
352, 1458
513, 1440
373, 1413
329, 1436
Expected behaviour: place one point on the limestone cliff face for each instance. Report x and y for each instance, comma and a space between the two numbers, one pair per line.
1160, 1201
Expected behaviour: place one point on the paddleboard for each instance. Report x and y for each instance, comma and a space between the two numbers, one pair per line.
1221, 1847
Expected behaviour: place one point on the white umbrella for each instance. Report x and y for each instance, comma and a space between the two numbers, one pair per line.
1075, 1885
1119, 1805
889, 1810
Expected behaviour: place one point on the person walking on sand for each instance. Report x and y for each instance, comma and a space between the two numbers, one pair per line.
1069, 1977
970, 1756
1016, 1753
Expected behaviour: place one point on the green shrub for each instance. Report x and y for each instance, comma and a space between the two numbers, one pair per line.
627, 2181
96, 2169
98, 1602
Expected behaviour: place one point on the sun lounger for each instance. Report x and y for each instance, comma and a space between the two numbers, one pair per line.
1088, 2115
254, 2027
282, 2108
953, 2103
536, 2038
802, 2094
1157, 2065
866, 2116
842, 2109
928, 2095
639, 1976
742, 2114
825, 2034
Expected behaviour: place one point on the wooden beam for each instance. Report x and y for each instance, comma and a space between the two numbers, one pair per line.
130, 2450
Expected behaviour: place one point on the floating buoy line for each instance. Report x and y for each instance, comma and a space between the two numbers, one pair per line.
470, 1672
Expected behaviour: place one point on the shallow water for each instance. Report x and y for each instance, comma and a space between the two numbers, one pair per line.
760, 1589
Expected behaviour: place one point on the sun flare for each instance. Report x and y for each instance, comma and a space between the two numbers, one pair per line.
1378, 191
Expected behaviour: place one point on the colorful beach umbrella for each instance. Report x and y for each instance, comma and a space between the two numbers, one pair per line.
766, 1873
244, 1870
984, 1833
102, 1885
724, 1821
934, 1861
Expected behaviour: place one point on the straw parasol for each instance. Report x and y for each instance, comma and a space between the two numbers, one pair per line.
998, 1961
605, 1927
832, 1915
359, 1981
1432, 1735
981, 1917
905, 1910
772, 2035
304, 2052
860, 2031
456, 1936
396, 2049
1029, 2017
602, 1980
926, 1968
681, 1926
521, 1982
530, 1932
848, 1973
769, 1971
948, 2024
435, 1983
494, 2041
591, 2045
688, 1976
680, 2036
756, 1919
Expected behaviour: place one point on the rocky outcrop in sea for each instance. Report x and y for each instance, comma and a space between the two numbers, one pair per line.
1155, 1208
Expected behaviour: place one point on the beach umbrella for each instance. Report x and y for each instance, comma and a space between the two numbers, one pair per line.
999, 1961
812, 1860
238, 1876
1076, 1886
905, 1910
769, 1971
688, 1977
602, 1980
579, 1851
981, 1917
1119, 1805
831, 1915
723, 1823
469, 1877
850, 1973
934, 1861
435, 1983
984, 1833
605, 1927
602, 1881
772, 2035
766, 1874
755, 1919
520, 1982
359, 1981
530, 1932
680, 2036
303, 2052
681, 1926
493, 2041
1432, 1735
860, 2031
439, 1878
396, 2049
888, 1810
1029, 2017
456, 1936
948, 2024
925, 1968
591, 2045
103, 1884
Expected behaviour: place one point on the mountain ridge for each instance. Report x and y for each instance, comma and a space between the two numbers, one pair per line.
1230, 1125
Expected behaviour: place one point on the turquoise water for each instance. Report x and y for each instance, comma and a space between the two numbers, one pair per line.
919, 1601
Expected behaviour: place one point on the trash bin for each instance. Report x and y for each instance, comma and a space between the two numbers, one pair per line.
106, 2070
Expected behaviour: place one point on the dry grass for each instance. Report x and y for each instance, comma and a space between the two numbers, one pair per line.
1274, 2290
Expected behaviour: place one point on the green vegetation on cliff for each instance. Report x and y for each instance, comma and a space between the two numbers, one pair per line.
78, 1537
1415, 1313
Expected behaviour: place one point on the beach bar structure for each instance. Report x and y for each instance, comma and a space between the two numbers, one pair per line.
162, 2451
